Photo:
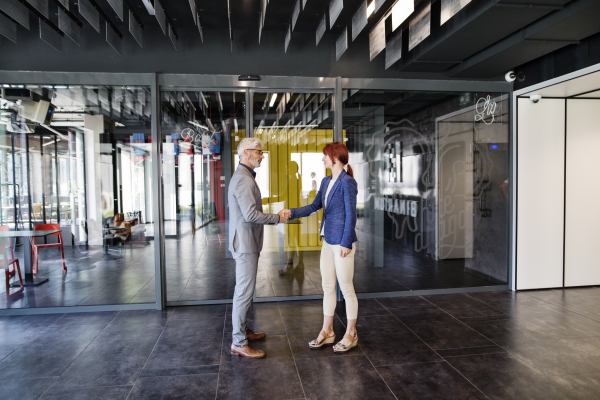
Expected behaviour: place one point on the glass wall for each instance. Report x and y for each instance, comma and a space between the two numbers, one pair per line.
75, 187
201, 130
294, 128
432, 172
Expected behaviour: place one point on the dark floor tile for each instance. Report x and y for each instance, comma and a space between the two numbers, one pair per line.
175, 387
483, 318
508, 302
10, 345
262, 317
556, 322
581, 386
89, 318
419, 314
390, 342
366, 307
24, 389
274, 377
199, 312
436, 380
503, 376
505, 333
341, 377
301, 323
302, 307
114, 358
188, 343
50, 353
561, 356
449, 335
178, 370
403, 302
468, 351
209, 329
462, 305
25, 324
142, 319
58, 392
439, 330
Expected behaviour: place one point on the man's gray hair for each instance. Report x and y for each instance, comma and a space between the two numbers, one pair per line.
248, 143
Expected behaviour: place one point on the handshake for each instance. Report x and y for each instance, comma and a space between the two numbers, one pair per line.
284, 216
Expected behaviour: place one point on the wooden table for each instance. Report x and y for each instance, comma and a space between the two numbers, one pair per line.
29, 279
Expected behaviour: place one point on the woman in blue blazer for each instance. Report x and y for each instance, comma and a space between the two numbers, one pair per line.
337, 198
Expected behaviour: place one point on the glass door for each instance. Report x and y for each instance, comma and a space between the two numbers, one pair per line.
201, 130
294, 128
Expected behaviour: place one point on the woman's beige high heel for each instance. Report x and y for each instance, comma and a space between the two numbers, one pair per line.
340, 348
329, 340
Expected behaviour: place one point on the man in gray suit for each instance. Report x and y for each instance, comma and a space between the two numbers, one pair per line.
246, 230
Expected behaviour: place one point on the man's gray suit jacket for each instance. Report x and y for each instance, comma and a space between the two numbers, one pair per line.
246, 218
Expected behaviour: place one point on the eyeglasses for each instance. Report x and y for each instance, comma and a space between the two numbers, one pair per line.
260, 152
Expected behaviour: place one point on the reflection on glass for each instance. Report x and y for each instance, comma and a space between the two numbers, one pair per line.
69, 157
200, 131
294, 128
430, 168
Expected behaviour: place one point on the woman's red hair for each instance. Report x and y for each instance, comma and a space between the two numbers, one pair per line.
337, 151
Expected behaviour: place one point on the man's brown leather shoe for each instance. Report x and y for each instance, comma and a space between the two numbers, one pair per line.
251, 336
247, 351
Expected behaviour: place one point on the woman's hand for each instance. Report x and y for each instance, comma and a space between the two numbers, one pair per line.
344, 251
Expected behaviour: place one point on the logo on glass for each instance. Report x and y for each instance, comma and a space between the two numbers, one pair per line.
485, 109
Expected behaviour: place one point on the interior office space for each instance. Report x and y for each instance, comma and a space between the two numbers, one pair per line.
471, 128
132, 167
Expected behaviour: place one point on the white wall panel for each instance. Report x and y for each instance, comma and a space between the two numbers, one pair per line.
540, 193
582, 234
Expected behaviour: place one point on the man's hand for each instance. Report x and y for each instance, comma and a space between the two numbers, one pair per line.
284, 215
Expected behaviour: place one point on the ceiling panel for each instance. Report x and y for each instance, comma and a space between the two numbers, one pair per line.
572, 87
491, 26
581, 25
503, 61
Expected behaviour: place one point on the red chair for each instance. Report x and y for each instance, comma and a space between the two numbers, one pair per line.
36, 247
8, 261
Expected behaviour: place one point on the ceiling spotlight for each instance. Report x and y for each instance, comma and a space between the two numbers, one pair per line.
273, 100
370, 8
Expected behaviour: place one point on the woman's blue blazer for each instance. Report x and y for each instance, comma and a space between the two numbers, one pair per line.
340, 212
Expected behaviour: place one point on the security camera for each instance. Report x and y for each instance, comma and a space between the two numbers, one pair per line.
535, 98
510, 76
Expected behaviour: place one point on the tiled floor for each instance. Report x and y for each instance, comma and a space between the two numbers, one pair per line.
200, 271
490, 345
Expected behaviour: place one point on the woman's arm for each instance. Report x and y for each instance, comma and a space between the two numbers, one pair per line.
305, 211
350, 193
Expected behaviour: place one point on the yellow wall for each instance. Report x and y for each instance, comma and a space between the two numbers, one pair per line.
284, 185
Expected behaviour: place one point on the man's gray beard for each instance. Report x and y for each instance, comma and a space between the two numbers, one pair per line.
255, 163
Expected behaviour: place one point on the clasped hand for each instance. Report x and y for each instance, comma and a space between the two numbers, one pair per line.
284, 216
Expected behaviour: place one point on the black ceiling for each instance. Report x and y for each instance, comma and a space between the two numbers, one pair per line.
482, 41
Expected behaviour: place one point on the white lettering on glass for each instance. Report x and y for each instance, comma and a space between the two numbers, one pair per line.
485, 109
